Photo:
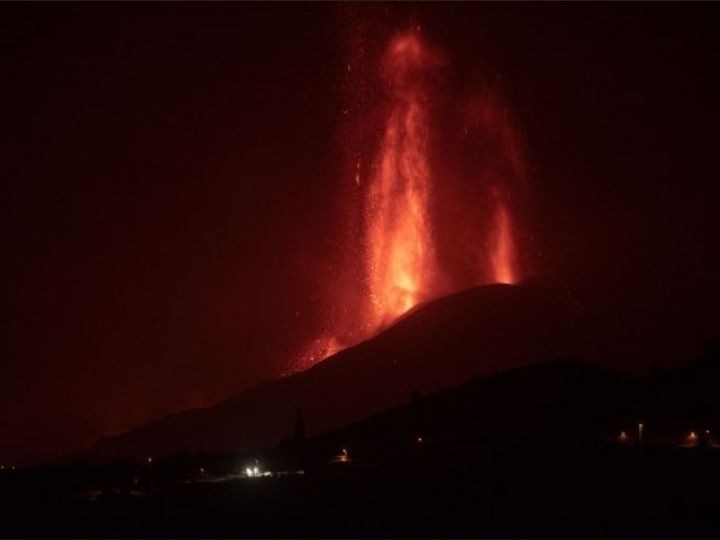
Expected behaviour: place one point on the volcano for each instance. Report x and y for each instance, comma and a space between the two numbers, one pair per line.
433, 185
436, 345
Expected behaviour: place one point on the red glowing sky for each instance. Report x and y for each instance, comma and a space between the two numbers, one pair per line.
196, 194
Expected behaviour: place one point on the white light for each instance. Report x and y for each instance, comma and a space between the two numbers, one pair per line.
256, 471
249, 471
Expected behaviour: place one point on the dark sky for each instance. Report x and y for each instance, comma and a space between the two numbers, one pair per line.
171, 177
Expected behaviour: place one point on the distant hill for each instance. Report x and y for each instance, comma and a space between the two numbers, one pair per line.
439, 345
553, 408
529, 452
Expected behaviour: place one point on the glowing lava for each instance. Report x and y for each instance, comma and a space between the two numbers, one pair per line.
502, 244
318, 349
418, 243
399, 247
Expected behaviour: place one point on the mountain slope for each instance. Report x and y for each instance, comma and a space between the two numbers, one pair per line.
437, 345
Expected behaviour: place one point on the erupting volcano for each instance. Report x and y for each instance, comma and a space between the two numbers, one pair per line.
399, 250
502, 246
412, 247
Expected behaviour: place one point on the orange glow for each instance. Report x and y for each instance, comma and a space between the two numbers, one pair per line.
414, 241
502, 246
320, 348
342, 457
400, 255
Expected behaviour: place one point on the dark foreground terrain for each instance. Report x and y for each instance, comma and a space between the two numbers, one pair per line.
578, 491
554, 449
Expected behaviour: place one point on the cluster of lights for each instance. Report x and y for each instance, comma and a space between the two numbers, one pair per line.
255, 472
342, 457
692, 436
623, 436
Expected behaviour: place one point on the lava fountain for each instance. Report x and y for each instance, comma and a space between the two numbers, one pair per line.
411, 247
502, 243
399, 247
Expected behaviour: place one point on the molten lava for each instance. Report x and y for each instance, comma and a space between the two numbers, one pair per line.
399, 247
318, 349
417, 246
502, 245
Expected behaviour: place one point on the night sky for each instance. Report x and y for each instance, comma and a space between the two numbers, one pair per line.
172, 205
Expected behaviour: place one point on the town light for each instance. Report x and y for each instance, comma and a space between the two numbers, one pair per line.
342, 457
